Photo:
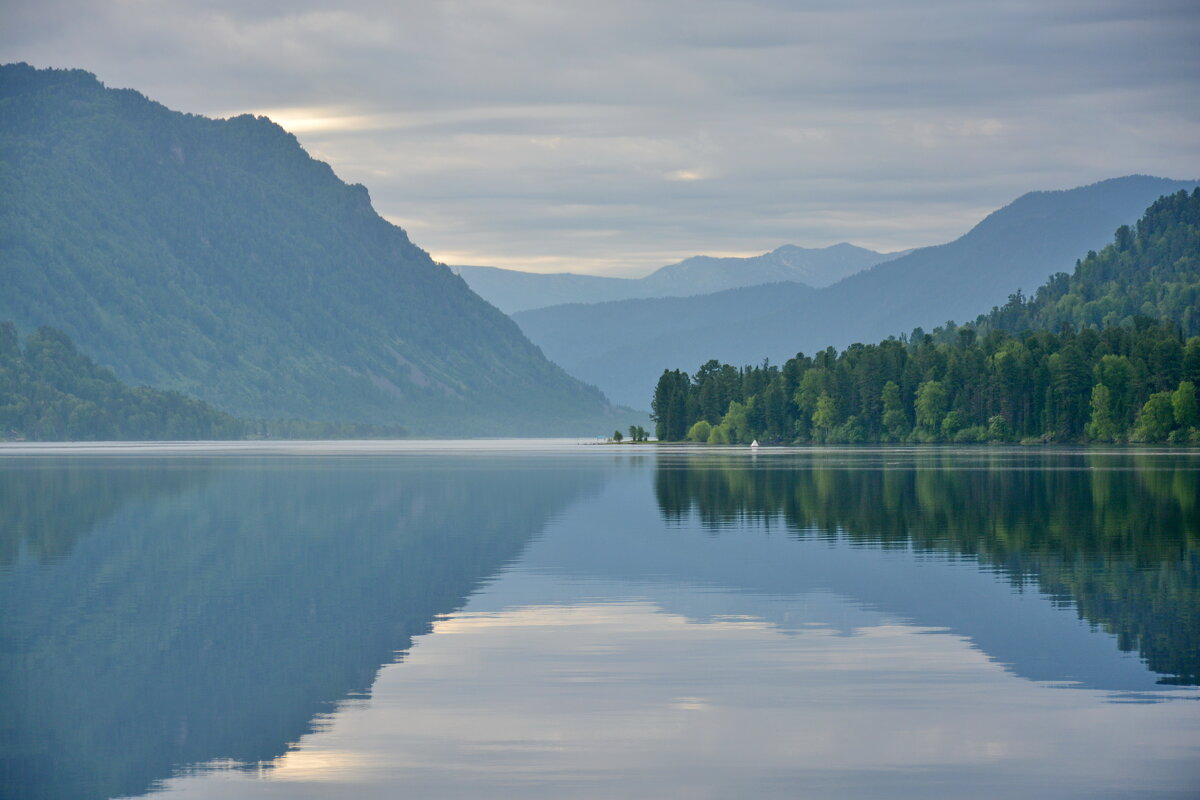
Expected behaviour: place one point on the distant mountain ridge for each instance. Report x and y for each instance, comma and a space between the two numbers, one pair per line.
513, 291
1017, 247
217, 258
815, 267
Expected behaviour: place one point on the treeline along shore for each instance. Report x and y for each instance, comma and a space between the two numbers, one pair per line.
1109, 353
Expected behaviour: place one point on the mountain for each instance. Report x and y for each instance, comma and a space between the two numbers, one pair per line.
1102, 354
1018, 246
217, 258
817, 267
512, 291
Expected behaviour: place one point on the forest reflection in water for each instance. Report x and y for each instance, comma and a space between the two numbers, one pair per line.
1115, 534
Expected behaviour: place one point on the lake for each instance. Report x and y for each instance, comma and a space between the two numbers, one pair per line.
551, 619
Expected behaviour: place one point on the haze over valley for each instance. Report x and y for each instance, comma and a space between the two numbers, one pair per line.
512, 291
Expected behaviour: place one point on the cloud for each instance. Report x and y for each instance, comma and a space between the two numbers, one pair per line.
618, 137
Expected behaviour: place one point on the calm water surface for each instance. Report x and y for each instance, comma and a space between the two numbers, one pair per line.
553, 620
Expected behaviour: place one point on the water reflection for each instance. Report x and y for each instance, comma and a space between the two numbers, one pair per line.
624, 657
1115, 535
47, 506
159, 613
611, 622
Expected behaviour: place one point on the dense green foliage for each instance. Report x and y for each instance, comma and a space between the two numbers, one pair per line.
1151, 269
1128, 383
1006, 377
217, 258
51, 391
1115, 535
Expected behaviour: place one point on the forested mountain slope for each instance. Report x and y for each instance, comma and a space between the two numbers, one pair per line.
1151, 269
51, 391
1102, 354
1016, 247
215, 257
512, 291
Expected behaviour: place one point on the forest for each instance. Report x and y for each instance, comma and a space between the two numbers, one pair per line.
49, 391
1109, 353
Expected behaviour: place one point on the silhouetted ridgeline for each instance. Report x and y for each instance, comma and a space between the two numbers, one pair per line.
512, 291
1115, 535
1007, 377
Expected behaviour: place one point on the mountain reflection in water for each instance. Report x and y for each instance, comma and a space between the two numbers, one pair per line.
172, 619
174, 612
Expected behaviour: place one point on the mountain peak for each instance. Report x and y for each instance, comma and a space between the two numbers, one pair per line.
218, 258
815, 267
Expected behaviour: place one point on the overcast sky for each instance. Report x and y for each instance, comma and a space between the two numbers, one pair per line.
616, 137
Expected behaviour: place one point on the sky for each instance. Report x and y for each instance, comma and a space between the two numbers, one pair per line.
613, 138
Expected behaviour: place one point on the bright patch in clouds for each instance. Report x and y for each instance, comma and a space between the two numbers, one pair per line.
309, 120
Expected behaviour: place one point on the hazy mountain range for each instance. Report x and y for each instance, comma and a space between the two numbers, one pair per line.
623, 347
217, 258
512, 291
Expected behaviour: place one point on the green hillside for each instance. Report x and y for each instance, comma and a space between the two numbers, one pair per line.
217, 258
51, 391
1151, 269
1099, 355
